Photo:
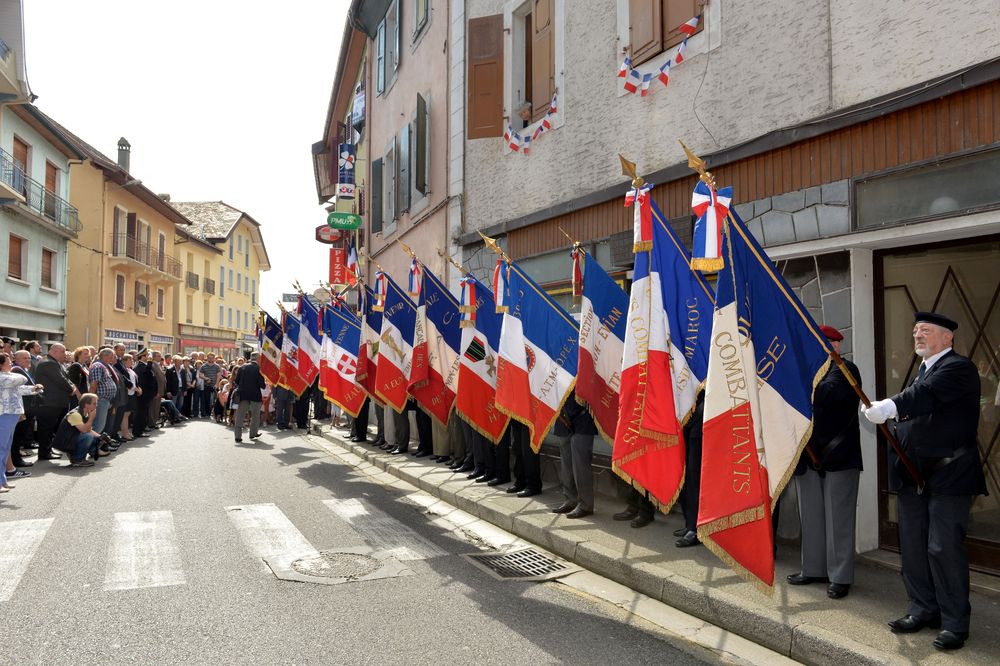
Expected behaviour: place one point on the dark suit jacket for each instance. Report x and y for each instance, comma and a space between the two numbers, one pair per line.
58, 387
574, 419
835, 421
147, 381
173, 385
249, 382
938, 416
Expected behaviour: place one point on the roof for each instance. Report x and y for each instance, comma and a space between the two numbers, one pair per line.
215, 221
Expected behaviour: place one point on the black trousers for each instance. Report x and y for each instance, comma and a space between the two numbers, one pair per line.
425, 431
301, 409
935, 563
140, 417
496, 457
638, 502
692, 485
527, 463
359, 426
48, 419
114, 423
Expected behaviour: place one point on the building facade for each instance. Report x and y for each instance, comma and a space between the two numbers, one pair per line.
14, 88
36, 224
223, 256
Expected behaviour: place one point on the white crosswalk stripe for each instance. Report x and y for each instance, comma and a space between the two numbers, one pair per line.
382, 531
143, 552
268, 533
19, 539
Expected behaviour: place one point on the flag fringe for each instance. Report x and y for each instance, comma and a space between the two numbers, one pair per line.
466, 309
466, 324
502, 309
642, 246
660, 506
741, 571
530, 426
707, 264
609, 438
669, 440
694, 407
338, 403
388, 403
489, 436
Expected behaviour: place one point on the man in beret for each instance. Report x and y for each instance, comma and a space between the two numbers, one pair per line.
828, 492
937, 419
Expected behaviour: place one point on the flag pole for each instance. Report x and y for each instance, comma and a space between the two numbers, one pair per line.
447, 257
492, 244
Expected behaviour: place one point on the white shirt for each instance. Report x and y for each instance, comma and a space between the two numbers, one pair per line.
931, 360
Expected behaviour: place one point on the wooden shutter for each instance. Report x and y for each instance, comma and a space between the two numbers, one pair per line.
47, 262
403, 186
397, 46
14, 253
391, 170
543, 73
376, 192
645, 29
132, 236
420, 152
120, 292
380, 58
485, 38
677, 13
21, 154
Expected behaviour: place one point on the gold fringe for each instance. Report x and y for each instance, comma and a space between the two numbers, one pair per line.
337, 402
465, 323
465, 309
501, 309
378, 308
707, 265
462, 415
690, 412
642, 246
660, 506
529, 426
669, 440
387, 403
729, 561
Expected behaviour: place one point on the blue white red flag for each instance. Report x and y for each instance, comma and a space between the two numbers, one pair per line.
633, 80
664, 76
602, 345
625, 68
500, 285
353, 269
538, 356
395, 351
711, 208
379, 288
289, 375
339, 364
415, 278
269, 338
512, 139
690, 26
309, 341
477, 372
437, 336
765, 358
679, 56
640, 200
371, 330
647, 78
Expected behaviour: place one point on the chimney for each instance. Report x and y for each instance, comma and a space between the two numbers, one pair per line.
165, 197
124, 152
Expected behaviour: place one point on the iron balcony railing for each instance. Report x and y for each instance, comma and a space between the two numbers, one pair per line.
41, 201
209, 286
192, 280
4, 50
124, 245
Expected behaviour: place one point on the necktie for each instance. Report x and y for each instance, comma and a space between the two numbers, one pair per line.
922, 371
114, 375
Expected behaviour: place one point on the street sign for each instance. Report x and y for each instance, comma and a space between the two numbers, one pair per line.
289, 298
328, 235
343, 220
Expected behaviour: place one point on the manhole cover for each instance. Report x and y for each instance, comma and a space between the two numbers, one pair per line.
526, 564
351, 566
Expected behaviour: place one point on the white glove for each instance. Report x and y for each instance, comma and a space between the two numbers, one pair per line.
880, 411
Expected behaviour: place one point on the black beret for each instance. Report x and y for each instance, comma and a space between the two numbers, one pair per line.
935, 318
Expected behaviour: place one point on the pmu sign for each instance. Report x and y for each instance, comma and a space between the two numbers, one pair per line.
343, 220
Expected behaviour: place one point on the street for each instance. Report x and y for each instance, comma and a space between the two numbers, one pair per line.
155, 556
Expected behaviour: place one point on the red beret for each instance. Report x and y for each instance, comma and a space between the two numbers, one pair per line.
831, 333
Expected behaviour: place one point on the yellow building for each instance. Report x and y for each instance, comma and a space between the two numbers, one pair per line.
221, 286
122, 271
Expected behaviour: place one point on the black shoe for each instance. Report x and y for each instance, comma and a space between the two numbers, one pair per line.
282, 427
528, 492
398, 451
951, 640
627, 514
255, 436
466, 466
387, 446
379, 441
799, 579
641, 521
838, 590
475, 474
494, 482
421, 454
579, 512
514, 489
565, 507
239, 441
911, 624
689, 539
680, 531
49, 456
118, 438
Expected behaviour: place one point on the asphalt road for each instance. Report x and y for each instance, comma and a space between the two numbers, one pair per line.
155, 556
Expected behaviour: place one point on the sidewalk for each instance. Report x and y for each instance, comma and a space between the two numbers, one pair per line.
800, 622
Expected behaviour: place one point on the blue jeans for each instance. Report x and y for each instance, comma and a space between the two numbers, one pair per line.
86, 442
178, 399
171, 406
101, 415
7, 424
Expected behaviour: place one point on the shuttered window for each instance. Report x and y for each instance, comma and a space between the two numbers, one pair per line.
380, 58
403, 183
159, 303
653, 25
376, 190
543, 73
119, 291
485, 77
421, 147
15, 258
48, 268
419, 16
390, 176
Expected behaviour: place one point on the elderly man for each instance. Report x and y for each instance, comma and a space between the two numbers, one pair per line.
937, 419
124, 384
104, 383
210, 373
248, 382
156, 365
55, 399
24, 431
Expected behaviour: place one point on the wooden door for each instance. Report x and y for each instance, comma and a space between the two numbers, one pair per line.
51, 172
21, 160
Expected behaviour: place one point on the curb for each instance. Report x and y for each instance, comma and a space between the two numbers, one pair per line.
803, 641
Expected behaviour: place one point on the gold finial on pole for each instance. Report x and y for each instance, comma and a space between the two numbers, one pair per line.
298, 287
447, 257
697, 164
374, 263
406, 249
629, 169
281, 306
572, 240
492, 244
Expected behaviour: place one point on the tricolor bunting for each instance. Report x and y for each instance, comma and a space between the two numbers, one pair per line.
309, 341
647, 78
640, 200
690, 26
512, 139
664, 75
765, 358
269, 337
437, 335
339, 364
633, 81
602, 345
289, 376
538, 356
679, 56
711, 207
414, 280
395, 351
626, 66
477, 372
371, 329
500, 285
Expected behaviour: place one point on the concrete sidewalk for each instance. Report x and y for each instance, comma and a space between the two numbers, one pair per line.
800, 622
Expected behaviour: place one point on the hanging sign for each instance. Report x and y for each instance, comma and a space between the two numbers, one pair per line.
343, 220
345, 170
338, 265
328, 235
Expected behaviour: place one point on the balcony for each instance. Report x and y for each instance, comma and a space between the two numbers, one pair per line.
209, 286
192, 280
10, 87
29, 196
127, 250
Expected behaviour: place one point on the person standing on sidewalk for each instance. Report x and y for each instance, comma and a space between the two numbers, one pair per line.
575, 430
55, 399
937, 421
24, 432
12, 388
209, 373
828, 494
283, 398
247, 383
156, 365
147, 384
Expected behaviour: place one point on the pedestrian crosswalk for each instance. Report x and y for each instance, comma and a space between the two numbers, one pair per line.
144, 550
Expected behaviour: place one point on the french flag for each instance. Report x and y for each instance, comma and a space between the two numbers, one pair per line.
512, 138
711, 208
640, 200
290, 377
310, 348
538, 356
395, 349
414, 281
646, 80
477, 372
269, 337
371, 329
437, 336
500, 285
353, 270
626, 66
664, 76
679, 56
339, 365
690, 26
633, 80
602, 345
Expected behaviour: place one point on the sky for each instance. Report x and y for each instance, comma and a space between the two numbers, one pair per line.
220, 99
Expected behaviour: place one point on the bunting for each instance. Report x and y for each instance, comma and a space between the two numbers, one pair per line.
636, 81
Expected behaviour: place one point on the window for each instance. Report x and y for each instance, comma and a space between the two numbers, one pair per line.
485, 77
206, 307
141, 299
230, 248
403, 170
48, 268
389, 176
15, 257
246, 257
230, 278
51, 189
387, 48
188, 309
239, 244
420, 14
534, 63
159, 303
222, 311
229, 317
380, 58
239, 282
246, 319
161, 252
653, 25
376, 190
253, 292
222, 285
421, 155
119, 292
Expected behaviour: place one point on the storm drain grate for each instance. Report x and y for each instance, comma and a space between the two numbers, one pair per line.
351, 566
526, 564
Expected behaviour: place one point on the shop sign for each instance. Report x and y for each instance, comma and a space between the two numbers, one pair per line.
161, 339
328, 235
121, 335
339, 220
